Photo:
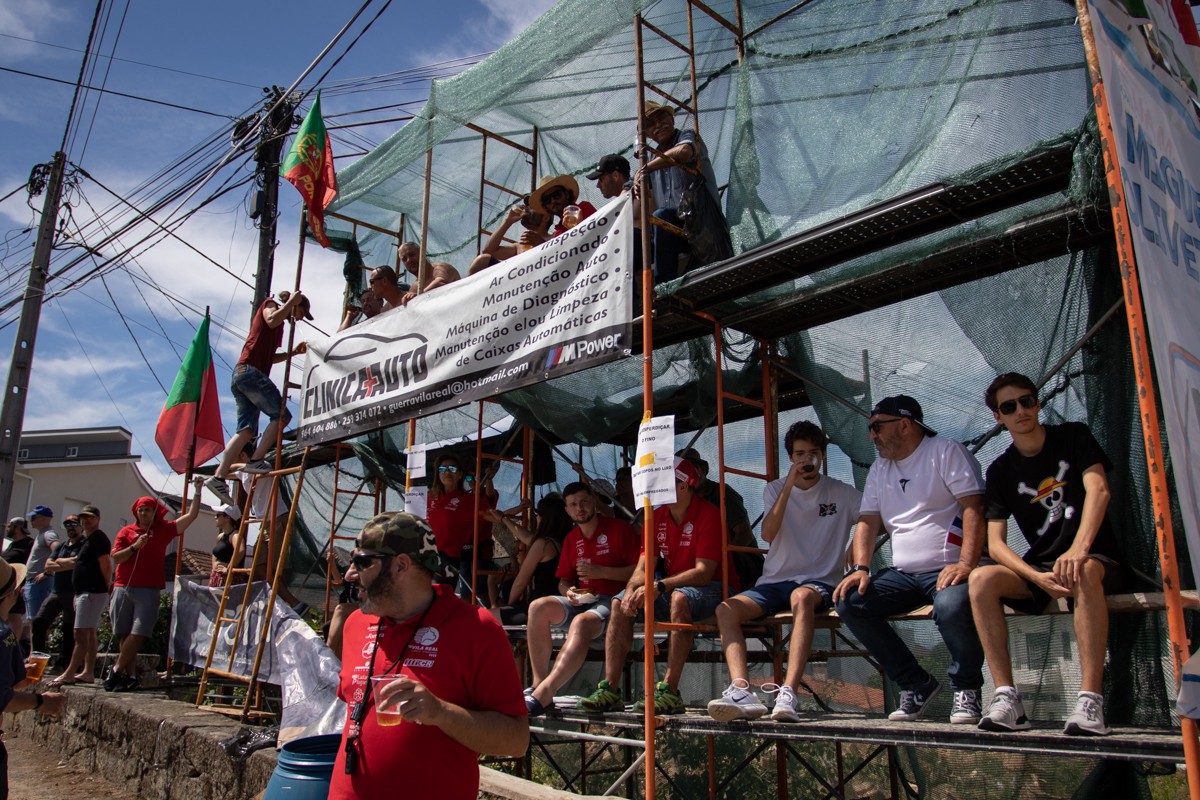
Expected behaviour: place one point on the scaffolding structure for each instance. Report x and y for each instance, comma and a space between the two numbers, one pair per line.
694, 309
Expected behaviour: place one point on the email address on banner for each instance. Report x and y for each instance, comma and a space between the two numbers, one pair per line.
458, 387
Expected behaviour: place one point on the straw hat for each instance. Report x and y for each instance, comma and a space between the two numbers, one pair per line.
11, 576
650, 108
549, 182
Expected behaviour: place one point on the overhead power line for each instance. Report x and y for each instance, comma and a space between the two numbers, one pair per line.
115, 92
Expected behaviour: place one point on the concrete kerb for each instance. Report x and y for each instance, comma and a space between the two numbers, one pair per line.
495, 785
154, 747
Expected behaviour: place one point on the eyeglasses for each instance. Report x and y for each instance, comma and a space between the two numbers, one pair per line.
71, 524
363, 560
447, 468
878, 424
1027, 401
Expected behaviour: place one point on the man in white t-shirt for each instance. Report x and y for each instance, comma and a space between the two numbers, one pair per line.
928, 493
807, 524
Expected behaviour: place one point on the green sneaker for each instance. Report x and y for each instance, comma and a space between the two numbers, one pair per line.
666, 700
603, 699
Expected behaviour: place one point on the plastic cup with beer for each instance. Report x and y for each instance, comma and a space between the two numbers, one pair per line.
571, 216
387, 711
35, 667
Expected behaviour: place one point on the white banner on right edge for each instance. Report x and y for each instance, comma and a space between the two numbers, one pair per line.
1149, 55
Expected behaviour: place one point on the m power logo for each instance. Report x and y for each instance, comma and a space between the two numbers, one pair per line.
371, 367
585, 348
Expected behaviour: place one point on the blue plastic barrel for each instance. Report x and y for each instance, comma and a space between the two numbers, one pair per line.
304, 769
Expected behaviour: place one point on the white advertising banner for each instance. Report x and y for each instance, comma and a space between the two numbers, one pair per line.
1148, 58
654, 467
561, 307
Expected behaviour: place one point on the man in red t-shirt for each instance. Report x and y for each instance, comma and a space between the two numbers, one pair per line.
253, 392
597, 558
139, 552
688, 533
440, 669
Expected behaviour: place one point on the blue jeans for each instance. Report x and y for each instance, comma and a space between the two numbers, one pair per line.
893, 592
667, 247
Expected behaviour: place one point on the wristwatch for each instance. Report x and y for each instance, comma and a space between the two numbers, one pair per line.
857, 568
660, 587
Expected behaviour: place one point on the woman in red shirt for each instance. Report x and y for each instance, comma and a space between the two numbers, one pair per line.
453, 517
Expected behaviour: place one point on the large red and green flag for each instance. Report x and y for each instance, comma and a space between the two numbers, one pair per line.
193, 410
309, 167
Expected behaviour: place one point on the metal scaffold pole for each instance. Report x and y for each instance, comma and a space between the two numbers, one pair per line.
12, 414
1139, 344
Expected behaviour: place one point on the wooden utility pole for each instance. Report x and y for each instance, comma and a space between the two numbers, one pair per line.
268, 154
12, 413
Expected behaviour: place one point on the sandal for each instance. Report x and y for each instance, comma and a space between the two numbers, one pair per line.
61, 680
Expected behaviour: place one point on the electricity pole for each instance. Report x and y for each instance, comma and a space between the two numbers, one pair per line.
279, 118
12, 414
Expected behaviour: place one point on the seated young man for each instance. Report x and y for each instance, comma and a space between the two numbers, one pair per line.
1052, 480
597, 558
807, 525
688, 533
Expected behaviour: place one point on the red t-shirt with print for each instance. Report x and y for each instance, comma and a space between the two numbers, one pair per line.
613, 544
452, 517
697, 536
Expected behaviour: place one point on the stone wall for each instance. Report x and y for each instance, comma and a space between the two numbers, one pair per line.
157, 749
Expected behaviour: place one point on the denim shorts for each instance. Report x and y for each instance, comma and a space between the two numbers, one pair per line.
776, 597
702, 600
602, 608
133, 610
253, 392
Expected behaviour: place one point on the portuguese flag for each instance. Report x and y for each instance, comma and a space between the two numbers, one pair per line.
309, 167
193, 412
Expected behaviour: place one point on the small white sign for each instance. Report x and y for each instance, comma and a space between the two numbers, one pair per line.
416, 501
416, 462
654, 467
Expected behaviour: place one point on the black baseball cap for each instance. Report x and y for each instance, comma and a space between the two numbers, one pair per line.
902, 405
609, 163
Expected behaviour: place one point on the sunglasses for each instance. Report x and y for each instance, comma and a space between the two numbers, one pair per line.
1027, 401
363, 560
876, 426
447, 468
555, 194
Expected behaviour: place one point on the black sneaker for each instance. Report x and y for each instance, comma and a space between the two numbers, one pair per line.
913, 702
111, 679
220, 489
126, 683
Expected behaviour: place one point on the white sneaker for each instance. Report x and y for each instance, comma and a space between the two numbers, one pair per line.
785, 706
1088, 717
967, 707
1006, 713
736, 702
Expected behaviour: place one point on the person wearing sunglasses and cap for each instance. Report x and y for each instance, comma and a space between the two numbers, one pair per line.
12, 667
927, 491
1052, 480
445, 666
62, 595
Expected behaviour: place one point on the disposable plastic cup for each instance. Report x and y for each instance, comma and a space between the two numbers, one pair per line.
387, 712
35, 667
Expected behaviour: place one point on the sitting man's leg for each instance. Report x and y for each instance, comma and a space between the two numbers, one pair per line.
738, 701
806, 602
584, 628
1091, 629
891, 592
952, 615
681, 606
617, 644
545, 613
989, 587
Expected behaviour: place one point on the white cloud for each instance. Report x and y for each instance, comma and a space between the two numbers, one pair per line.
27, 19
503, 20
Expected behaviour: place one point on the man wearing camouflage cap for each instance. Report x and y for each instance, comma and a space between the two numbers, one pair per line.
453, 678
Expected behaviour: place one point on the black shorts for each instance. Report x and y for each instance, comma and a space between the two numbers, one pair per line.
1115, 580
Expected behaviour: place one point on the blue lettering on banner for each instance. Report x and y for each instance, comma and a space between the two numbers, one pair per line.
1149, 210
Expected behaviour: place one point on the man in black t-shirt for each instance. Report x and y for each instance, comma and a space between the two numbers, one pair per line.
91, 570
1052, 481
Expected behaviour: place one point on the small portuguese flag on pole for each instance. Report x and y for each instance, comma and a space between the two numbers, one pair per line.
309, 167
193, 411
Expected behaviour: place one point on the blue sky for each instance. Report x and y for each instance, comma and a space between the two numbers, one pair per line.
214, 57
